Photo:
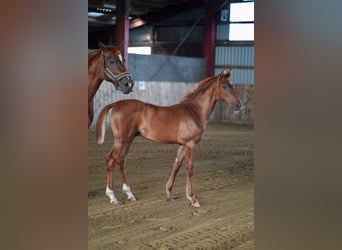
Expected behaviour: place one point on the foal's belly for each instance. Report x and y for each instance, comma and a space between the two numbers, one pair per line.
160, 133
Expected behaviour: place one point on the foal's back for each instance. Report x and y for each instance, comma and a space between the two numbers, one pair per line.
167, 124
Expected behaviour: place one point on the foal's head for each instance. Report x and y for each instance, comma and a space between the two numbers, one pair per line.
114, 68
225, 89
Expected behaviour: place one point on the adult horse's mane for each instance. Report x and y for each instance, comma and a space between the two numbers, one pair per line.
92, 55
202, 86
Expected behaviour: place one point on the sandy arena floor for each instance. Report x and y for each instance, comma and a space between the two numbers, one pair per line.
222, 181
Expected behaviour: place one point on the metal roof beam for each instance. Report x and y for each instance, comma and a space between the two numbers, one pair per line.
164, 13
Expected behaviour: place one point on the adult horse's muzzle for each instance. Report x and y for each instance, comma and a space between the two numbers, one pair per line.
122, 81
237, 106
126, 84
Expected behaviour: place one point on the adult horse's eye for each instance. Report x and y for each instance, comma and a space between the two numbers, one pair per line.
111, 61
224, 86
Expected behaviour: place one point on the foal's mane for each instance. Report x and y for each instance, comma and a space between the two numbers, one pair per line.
199, 88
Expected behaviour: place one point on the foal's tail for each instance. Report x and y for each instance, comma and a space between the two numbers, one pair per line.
101, 123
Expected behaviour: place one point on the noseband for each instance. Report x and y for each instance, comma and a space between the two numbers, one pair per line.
112, 76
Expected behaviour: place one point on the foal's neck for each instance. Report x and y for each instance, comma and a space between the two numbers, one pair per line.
204, 104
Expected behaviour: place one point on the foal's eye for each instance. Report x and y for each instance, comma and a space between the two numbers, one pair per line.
111, 61
224, 86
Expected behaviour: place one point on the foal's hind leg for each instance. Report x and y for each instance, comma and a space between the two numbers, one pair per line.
189, 149
121, 162
176, 166
111, 159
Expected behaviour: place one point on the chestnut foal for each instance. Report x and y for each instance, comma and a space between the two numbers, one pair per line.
182, 123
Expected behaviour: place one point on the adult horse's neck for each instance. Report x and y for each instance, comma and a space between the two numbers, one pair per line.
202, 99
95, 73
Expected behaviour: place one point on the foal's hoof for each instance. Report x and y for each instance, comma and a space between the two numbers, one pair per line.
171, 199
132, 199
196, 204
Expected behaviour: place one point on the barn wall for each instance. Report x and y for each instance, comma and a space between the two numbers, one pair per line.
168, 93
240, 59
224, 112
164, 68
178, 74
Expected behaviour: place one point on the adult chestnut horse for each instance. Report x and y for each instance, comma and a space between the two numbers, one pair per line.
182, 124
106, 63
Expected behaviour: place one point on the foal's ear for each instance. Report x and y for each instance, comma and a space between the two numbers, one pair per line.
229, 74
222, 73
102, 46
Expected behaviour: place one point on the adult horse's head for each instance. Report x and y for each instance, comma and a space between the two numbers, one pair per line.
114, 68
226, 89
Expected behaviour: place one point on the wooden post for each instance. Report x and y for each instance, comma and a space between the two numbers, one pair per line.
209, 37
122, 27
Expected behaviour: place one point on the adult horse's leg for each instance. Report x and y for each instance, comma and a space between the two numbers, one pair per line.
121, 162
90, 113
176, 166
189, 149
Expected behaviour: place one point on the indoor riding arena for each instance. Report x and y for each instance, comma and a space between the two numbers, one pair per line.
158, 52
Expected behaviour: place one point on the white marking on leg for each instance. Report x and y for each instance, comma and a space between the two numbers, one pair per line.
126, 189
110, 194
194, 201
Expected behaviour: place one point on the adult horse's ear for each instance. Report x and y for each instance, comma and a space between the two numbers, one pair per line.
102, 46
121, 46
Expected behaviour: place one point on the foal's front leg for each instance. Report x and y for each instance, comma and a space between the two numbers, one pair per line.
189, 148
178, 163
125, 187
121, 162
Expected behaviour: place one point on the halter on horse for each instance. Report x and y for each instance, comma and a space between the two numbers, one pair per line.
106, 63
182, 123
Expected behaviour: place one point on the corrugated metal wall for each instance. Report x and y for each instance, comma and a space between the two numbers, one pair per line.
222, 32
235, 55
240, 59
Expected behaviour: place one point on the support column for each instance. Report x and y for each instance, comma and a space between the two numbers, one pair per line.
209, 37
122, 27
